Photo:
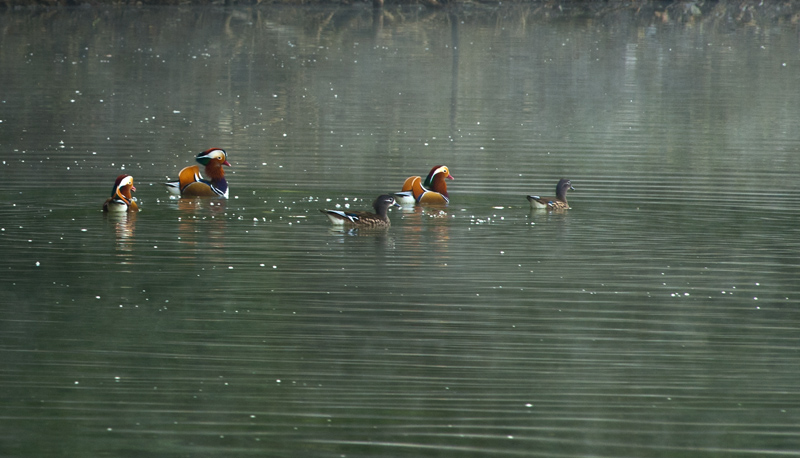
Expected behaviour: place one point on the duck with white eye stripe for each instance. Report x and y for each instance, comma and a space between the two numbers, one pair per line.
365, 219
431, 191
190, 182
559, 202
121, 199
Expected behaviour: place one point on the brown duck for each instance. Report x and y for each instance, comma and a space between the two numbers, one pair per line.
377, 220
559, 202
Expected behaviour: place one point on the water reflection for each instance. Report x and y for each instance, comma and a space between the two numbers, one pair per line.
124, 226
202, 225
426, 232
381, 239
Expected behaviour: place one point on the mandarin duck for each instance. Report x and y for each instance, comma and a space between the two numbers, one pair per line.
121, 199
191, 184
377, 220
432, 191
559, 202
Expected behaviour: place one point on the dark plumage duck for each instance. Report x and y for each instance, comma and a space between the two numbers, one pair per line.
377, 220
191, 184
431, 191
559, 202
121, 199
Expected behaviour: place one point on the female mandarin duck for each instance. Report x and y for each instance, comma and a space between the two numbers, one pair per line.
432, 191
377, 220
191, 184
121, 199
559, 202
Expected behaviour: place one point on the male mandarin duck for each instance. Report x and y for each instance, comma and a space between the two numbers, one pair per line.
559, 202
121, 199
377, 220
432, 191
191, 184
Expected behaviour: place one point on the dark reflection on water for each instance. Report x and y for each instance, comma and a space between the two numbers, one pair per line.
657, 317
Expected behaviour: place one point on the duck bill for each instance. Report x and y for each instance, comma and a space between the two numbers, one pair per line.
227, 163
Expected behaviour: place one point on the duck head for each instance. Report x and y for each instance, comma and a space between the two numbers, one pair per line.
435, 179
382, 204
123, 186
562, 187
213, 159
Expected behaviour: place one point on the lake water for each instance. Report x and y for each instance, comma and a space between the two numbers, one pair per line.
656, 318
